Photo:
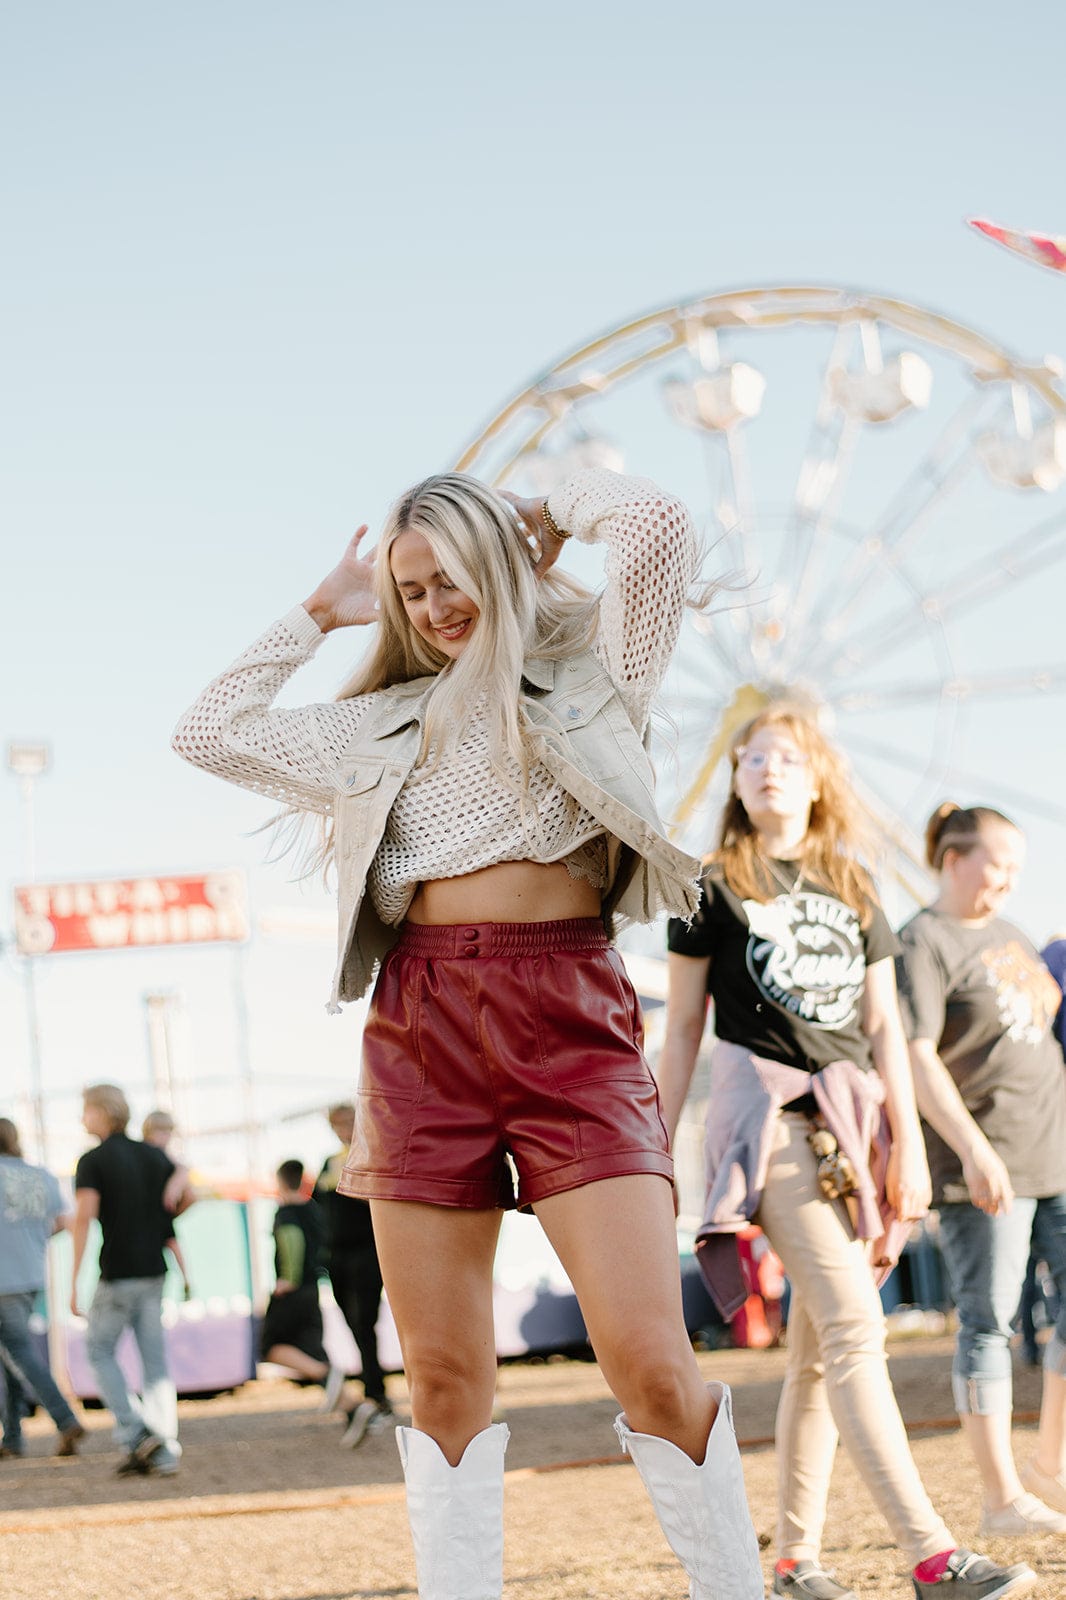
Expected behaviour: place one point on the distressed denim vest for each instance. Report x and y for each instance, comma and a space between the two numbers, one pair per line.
582, 734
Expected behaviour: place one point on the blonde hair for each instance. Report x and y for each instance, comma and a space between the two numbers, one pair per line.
157, 1122
837, 834
109, 1099
481, 545
959, 828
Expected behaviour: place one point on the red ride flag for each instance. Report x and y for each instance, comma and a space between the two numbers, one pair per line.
1046, 249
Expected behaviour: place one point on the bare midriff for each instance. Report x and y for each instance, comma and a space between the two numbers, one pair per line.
511, 891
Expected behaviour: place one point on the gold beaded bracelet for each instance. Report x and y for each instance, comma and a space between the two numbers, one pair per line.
551, 524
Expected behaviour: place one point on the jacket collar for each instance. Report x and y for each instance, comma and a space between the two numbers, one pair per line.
406, 698
539, 674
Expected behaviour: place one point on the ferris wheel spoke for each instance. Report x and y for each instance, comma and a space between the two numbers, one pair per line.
900, 846
1038, 680
724, 637
743, 498
1013, 562
950, 773
936, 476
819, 485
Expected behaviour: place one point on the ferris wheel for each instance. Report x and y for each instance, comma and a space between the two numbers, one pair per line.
885, 491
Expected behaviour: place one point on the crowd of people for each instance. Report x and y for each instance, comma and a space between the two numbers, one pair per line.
482, 790
135, 1190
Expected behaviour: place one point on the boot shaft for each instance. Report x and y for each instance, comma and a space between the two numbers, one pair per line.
456, 1514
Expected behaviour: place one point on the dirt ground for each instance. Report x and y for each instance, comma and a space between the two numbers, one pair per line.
268, 1506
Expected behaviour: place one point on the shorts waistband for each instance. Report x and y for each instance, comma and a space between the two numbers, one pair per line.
467, 940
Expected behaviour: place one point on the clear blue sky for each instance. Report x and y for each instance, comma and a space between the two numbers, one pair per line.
266, 263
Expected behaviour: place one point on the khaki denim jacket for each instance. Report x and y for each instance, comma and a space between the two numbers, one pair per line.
584, 737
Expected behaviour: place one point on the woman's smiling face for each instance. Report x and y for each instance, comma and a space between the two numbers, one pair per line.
437, 611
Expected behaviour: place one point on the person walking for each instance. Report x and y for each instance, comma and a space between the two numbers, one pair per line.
490, 815
121, 1185
159, 1128
980, 1008
31, 1211
355, 1274
813, 1134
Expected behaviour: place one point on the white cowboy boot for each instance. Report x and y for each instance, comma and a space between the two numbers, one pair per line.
703, 1510
456, 1514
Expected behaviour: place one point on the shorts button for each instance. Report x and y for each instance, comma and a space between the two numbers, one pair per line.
470, 933
470, 949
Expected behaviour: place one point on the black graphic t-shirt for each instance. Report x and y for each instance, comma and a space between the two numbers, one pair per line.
988, 1003
787, 976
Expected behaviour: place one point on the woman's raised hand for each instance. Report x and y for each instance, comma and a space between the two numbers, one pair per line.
346, 597
530, 514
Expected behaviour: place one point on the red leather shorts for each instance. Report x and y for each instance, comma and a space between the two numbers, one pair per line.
519, 1039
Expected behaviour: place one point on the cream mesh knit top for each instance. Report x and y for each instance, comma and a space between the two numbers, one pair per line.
457, 815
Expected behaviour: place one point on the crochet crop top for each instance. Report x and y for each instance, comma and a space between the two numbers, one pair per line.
457, 816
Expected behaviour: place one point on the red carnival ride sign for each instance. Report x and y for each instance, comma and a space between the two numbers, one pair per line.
130, 913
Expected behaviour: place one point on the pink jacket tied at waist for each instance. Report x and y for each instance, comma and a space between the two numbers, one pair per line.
746, 1093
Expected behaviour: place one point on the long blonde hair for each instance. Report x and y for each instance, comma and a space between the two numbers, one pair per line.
837, 834
480, 544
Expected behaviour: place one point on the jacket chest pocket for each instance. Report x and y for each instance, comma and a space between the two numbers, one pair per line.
357, 809
598, 730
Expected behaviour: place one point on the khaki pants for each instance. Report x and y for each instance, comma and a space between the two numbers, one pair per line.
837, 1383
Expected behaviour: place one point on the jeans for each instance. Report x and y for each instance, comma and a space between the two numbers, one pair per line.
836, 1382
25, 1371
134, 1303
986, 1259
356, 1279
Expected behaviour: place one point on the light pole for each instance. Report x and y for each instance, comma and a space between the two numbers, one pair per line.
28, 762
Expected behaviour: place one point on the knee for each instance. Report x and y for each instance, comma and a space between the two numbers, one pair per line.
659, 1393
446, 1386
856, 1337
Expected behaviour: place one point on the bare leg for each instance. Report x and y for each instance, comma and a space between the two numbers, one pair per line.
436, 1262
989, 1437
618, 1242
1050, 1454
287, 1355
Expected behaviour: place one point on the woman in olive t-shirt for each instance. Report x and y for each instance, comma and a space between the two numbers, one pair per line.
979, 1007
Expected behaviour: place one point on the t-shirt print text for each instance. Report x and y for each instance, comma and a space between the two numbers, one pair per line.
806, 955
1026, 994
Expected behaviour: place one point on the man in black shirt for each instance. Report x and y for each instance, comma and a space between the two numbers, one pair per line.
121, 1184
352, 1260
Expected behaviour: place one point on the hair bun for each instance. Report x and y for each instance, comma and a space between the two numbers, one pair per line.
935, 827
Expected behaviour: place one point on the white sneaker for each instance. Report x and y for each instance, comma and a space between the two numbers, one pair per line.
368, 1418
1051, 1490
382, 1420
335, 1381
1025, 1516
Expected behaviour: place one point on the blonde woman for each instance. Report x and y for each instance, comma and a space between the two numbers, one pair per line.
980, 1008
812, 1133
491, 820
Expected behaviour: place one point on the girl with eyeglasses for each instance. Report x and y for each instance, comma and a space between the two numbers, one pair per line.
812, 1133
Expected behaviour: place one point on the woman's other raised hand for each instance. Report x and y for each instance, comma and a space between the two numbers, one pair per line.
346, 597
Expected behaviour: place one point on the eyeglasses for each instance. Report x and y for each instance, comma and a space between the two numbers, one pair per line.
759, 760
